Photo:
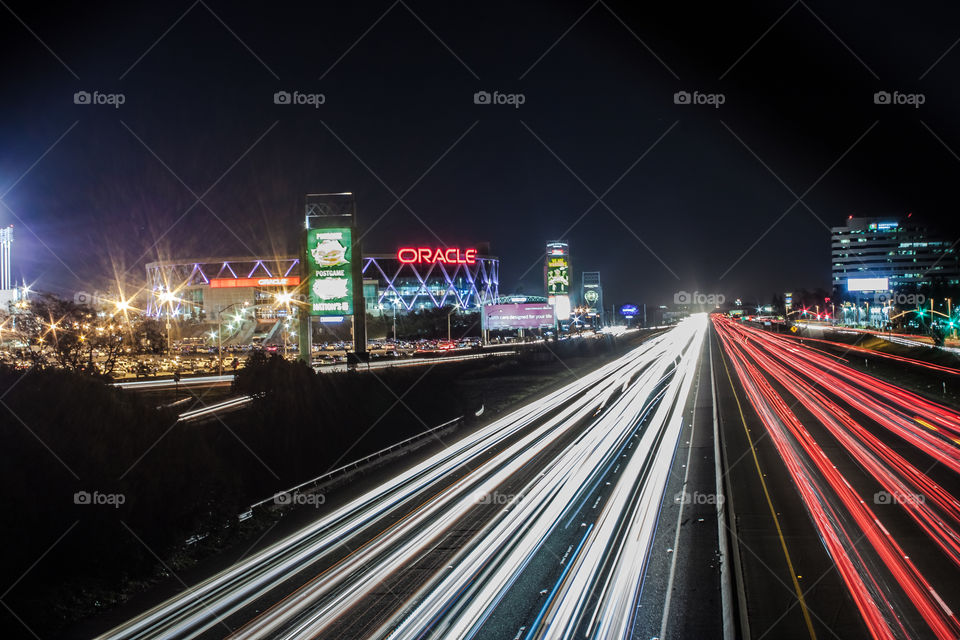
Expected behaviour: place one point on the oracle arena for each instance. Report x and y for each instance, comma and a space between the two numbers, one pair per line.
410, 279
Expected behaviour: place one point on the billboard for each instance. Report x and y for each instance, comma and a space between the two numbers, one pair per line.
867, 284
558, 276
528, 315
562, 306
329, 253
629, 310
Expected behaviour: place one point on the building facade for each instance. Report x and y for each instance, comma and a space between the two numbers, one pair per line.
411, 279
901, 251
417, 278
203, 288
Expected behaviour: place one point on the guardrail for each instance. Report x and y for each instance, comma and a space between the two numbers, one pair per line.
315, 482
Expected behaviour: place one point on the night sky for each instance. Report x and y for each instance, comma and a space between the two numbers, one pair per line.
693, 197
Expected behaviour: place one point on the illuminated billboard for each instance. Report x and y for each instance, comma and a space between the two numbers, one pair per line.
629, 310
222, 283
529, 315
867, 284
330, 290
562, 306
558, 276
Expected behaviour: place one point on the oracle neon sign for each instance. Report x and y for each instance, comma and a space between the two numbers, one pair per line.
227, 283
420, 255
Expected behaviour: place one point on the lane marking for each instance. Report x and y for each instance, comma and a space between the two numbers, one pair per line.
725, 508
683, 491
773, 512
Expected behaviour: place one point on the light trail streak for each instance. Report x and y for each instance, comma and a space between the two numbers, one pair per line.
464, 600
429, 499
836, 509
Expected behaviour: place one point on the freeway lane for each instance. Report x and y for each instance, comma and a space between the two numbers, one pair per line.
546, 453
874, 467
682, 588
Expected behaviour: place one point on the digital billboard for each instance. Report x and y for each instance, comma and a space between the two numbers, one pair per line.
867, 284
558, 276
330, 290
628, 310
529, 315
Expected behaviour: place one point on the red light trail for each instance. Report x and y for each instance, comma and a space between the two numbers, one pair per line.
841, 515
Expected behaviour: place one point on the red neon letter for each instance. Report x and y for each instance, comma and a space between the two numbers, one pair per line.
470, 256
456, 255
423, 254
411, 255
438, 256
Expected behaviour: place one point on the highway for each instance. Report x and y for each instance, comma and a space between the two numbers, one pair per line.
854, 469
539, 524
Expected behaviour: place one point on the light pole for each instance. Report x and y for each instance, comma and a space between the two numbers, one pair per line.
953, 329
220, 333
455, 307
167, 298
283, 298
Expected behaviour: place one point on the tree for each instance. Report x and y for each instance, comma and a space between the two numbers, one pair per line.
71, 335
148, 337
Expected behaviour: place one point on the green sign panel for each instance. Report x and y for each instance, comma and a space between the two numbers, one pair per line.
329, 252
558, 276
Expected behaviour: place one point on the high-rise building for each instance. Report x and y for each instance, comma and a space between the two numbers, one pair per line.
6, 258
556, 275
899, 250
9, 292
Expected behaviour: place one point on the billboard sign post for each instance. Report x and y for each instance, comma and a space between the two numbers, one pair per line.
331, 270
329, 261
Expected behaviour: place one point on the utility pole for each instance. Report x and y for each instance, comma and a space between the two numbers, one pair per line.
456, 306
219, 341
953, 329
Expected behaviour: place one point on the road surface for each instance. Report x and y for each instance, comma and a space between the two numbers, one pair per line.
540, 524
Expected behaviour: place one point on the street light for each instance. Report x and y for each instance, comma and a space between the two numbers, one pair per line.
284, 298
167, 298
953, 332
220, 333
